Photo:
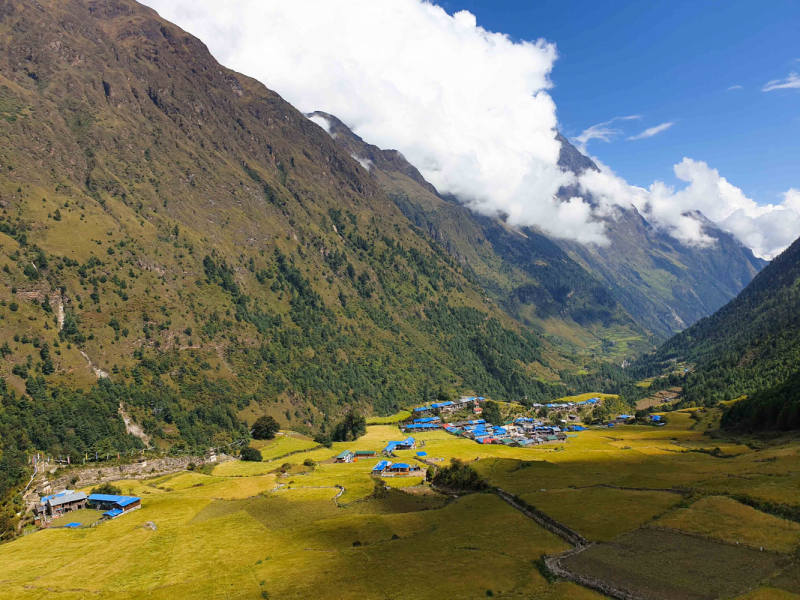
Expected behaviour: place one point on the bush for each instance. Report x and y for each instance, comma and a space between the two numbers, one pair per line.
107, 488
265, 428
351, 428
251, 454
459, 476
309, 462
324, 439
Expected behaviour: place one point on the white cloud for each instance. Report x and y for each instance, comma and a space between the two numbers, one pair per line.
468, 107
602, 131
364, 162
322, 122
734, 87
766, 229
651, 131
791, 82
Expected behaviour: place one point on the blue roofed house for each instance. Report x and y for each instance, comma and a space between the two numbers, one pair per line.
61, 503
379, 468
407, 444
114, 505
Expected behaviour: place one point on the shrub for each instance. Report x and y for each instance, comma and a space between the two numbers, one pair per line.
251, 454
324, 439
309, 462
459, 476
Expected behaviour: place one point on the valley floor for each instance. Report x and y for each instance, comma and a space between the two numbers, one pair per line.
666, 519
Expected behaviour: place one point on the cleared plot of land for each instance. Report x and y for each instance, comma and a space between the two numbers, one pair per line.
601, 513
726, 519
286, 444
674, 566
85, 517
662, 397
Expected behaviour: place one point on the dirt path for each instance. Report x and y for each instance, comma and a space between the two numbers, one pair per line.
133, 427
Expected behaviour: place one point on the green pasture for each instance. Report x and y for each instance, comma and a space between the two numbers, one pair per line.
249, 528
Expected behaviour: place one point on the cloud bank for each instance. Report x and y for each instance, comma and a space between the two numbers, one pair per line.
468, 107
766, 229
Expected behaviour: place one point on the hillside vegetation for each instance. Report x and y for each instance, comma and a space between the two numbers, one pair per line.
180, 232
751, 346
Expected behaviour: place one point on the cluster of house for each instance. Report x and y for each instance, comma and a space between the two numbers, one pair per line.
524, 431
387, 468
56, 505
451, 406
350, 456
570, 406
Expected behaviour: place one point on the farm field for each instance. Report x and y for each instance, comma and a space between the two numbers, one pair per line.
674, 566
326, 530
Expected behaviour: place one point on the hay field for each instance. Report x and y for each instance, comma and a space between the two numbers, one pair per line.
674, 566
726, 519
247, 529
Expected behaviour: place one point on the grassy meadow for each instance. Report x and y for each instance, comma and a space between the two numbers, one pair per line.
247, 530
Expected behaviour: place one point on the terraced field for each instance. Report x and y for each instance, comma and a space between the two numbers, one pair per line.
329, 531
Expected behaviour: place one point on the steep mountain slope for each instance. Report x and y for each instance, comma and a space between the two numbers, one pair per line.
183, 234
524, 271
662, 283
751, 344
180, 228
656, 284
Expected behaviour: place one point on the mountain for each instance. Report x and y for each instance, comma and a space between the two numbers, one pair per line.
183, 251
182, 247
644, 282
750, 346
524, 271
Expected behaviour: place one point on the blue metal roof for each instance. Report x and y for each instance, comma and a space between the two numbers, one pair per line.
381, 465
421, 453
119, 500
114, 512
401, 466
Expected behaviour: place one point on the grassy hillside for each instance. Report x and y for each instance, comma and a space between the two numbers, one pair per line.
749, 346
246, 528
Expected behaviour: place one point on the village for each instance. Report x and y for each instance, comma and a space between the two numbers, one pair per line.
521, 431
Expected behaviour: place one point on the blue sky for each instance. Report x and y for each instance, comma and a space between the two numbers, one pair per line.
672, 62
